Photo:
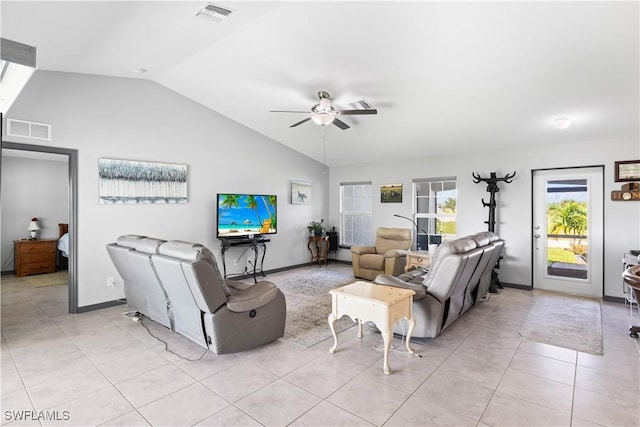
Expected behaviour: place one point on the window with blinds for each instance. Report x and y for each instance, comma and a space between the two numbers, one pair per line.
355, 214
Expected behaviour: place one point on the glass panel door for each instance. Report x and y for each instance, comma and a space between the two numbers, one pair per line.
568, 230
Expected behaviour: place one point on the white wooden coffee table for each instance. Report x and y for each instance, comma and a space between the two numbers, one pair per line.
382, 305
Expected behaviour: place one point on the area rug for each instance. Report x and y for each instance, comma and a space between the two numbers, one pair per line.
309, 304
51, 279
567, 321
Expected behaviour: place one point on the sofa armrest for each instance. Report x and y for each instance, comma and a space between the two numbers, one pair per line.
415, 276
361, 250
385, 279
234, 285
395, 253
253, 297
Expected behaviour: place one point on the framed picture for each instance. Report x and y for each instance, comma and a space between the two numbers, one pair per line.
133, 182
628, 170
300, 193
391, 193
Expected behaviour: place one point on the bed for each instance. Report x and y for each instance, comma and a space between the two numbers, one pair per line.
63, 246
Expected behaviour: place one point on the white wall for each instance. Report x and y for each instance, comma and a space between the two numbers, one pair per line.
140, 120
134, 119
32, 188
622, 219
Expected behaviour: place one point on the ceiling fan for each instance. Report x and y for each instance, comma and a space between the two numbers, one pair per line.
324, 113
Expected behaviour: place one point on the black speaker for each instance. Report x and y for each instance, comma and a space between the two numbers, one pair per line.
333, 240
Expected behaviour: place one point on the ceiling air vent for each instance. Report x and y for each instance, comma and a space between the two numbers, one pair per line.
213, 12
28, 129
361, 105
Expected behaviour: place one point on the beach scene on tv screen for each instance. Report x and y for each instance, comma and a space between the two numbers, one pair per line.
246, 214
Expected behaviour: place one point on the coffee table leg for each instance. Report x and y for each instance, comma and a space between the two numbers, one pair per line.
387, 338
332, 320
359, 328
412, 326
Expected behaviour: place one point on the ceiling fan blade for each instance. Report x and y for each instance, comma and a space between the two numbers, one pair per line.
300, 122
287, 111
357, 112
342, 125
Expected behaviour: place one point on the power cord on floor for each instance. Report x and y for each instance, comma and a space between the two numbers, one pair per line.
380, 346
136, 316
486, 298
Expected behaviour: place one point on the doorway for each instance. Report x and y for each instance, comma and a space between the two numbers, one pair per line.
568, 238
73, 213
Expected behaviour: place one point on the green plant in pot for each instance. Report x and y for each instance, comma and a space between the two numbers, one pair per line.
316, 227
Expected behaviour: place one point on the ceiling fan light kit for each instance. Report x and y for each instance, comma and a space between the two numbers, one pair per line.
323, 119
323, 112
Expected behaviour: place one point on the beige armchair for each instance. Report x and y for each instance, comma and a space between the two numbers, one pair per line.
387, 256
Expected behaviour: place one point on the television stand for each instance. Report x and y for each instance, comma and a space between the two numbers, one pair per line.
253, 243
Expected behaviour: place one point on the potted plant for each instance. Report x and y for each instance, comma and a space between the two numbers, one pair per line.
316, 227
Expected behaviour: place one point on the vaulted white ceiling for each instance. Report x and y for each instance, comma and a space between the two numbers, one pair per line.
446, 77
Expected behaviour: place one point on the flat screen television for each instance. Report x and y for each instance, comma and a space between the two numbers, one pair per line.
246, 215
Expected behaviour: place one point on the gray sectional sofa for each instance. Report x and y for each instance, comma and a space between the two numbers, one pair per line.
178, 284
459, 275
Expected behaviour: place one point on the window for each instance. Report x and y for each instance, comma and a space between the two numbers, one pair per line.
435, 209
355, 214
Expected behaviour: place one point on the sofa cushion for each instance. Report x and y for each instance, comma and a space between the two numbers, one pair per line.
372, 261
480, 239
458, 246
189, 251
484, 238
148, 245
385, 279
129, 240
181, 249
392, 238
254, 297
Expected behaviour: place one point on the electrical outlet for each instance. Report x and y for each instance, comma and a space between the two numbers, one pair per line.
111, 281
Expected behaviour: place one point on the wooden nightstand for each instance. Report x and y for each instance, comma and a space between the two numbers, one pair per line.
417, 259
34, 256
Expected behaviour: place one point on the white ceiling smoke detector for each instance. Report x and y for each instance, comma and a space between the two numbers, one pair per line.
562, 122
214, 12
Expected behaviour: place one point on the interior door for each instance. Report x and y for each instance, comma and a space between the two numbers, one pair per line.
568, 230
72, 163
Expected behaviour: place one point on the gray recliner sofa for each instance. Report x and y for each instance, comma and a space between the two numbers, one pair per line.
131, 256
179, 285
450, 286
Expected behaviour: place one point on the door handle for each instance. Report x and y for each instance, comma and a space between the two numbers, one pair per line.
537, 236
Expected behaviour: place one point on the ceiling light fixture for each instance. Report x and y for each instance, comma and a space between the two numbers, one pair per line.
323, 119
323, 113
214, 12
562, 122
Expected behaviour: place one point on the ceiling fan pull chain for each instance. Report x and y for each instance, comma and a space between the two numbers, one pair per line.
324, 150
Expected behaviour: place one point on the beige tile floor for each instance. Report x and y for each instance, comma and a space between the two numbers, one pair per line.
100, 368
